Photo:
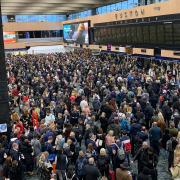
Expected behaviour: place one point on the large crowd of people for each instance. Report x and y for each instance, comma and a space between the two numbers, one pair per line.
83, 117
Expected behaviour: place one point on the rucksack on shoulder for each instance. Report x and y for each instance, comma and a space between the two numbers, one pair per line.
120, 152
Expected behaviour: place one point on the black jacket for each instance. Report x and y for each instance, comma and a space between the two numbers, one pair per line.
26, 150
15, 173
91, 172
103, 163
143, 176
15, 154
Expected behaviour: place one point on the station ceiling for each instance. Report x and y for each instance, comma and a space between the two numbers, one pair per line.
35, 7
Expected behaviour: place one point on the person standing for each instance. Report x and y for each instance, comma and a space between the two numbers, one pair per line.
91, 171
141, 156
147, 159
154, 137
61, 165
80, 165
103, 162
170, 147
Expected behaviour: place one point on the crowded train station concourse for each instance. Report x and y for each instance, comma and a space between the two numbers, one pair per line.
90, 90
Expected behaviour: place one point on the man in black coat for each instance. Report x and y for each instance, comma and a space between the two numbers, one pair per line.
146, 157
148, 112
91, 171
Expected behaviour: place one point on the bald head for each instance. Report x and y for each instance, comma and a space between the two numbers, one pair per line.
145, 145
91, 160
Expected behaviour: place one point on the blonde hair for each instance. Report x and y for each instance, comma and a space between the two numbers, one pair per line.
160, 116
129, 109
103, 152
46, 154
15, 117
69, 141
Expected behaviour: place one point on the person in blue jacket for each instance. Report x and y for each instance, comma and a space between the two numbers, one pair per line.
154, 137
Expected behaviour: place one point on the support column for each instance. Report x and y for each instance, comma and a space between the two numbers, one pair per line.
4, 104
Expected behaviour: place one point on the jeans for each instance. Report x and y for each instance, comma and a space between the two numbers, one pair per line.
61, 174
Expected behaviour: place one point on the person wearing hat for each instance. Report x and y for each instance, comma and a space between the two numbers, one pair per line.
123, 173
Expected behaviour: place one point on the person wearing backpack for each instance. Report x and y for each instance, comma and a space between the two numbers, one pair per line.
118, 156
170, 147
80, 164
126, 144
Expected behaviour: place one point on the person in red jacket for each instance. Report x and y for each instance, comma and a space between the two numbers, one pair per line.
20, 128
35, 119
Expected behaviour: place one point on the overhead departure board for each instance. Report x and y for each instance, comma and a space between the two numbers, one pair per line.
158, 34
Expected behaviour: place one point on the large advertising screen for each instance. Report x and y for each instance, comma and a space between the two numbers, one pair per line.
76, 33
9, 37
